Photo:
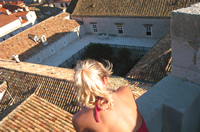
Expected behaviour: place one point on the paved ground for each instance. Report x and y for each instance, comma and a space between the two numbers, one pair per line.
77, 45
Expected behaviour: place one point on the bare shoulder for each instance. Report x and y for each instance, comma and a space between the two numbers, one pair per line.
124, 91
77, 121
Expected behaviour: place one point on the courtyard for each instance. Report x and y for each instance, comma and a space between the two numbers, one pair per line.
80, 43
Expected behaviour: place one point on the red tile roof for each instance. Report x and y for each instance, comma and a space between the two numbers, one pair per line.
53, 28
52, 1
6, 19
22, 84
156, 64
37, 114
18, 14
150, 8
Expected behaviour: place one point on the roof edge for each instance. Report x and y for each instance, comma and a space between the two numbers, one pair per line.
149, 17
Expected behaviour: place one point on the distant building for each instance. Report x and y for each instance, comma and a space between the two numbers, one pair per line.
43, 40
46, 11
15, 17
60, 3
132, 18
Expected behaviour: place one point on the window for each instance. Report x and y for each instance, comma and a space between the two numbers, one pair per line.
120, 29
61, 4
65, 42
148, 28
36, 39
66, 5
52, 50
38, 59
94, 26
148, 31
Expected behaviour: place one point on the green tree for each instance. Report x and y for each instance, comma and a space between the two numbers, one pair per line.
98, 52
124, 53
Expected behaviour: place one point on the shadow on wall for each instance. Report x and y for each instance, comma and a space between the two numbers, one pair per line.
38, 46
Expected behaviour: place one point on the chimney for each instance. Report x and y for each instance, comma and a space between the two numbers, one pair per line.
44, 40
26, 8
8, 12
20, 19
33, 37
16, 58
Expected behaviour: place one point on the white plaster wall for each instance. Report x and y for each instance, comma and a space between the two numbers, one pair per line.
16, 26
59, 4
133, 27
31, 17
10, 27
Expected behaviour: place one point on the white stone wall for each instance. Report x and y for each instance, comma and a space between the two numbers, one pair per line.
58, 4
10, 27
132, 27
185, 32
31, 17
16, 26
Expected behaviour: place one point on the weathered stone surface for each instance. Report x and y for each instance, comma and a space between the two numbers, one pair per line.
185, 32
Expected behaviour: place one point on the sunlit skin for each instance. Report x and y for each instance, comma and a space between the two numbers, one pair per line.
123, 117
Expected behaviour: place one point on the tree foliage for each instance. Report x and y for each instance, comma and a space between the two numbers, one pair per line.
124, 53
98, 52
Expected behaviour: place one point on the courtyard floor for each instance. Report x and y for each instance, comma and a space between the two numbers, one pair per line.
80, 43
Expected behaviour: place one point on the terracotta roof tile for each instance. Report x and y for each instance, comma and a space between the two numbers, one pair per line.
18, 14
36, 114
138, 87
156, 64
53, 28
52, 1
21, 85
151, 8
6, 19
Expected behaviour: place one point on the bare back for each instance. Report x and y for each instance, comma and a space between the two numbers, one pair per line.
124, 117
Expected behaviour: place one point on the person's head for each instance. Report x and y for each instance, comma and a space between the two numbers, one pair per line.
90, 80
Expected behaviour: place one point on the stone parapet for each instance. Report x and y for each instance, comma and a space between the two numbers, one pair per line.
185, 34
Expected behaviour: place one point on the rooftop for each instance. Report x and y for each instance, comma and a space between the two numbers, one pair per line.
6, 19
138, 8
12, 5
36, 114
53, 84
61, 1
53, 28
44, 12
156, 64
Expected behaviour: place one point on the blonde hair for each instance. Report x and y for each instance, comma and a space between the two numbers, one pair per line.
89, 84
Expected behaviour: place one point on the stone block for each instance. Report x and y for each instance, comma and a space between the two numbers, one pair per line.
172, 119
183, 53
186, 74
185, 23
185, 34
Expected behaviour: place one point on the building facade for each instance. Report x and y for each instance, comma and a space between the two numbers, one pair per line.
141, 19
15, 17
